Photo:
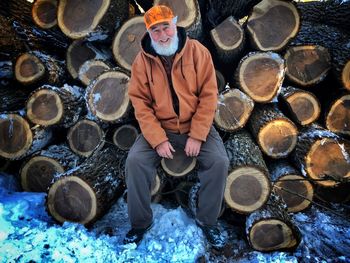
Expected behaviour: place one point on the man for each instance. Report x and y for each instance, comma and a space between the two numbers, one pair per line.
173, 90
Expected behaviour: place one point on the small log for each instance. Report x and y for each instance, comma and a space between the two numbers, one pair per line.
44, 13
332, 12
233, 111
248, 184
95, 19
127, 41
189, 15
38, 171
180, 165
85, 137
295, 190
18, 139
338, 116
272, 24
84, 194
107, 97
124, 136
322, 156
229, 39
90, 69
80, 51
302, 106
39, 68
49, 105
274, 132
260, 75
307, 65
273, 219
341, 64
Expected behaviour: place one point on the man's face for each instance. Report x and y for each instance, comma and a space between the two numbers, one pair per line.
163, 33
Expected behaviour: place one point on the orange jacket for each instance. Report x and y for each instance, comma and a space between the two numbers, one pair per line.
194, 81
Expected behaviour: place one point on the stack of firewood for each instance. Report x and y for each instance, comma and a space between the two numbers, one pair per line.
283, 72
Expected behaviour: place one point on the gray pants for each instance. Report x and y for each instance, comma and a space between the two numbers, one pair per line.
141, 166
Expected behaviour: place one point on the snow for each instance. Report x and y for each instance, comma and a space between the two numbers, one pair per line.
29, 234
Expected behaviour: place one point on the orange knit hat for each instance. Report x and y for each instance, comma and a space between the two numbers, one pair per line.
157, 14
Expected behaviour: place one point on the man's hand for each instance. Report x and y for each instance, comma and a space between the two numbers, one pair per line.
193, 146
165, 150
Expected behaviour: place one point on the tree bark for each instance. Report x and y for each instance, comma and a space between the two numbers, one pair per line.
338, 116
248, 184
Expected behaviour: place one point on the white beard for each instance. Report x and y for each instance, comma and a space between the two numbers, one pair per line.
168, 50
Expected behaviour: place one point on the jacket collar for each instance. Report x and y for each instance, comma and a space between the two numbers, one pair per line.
147, 48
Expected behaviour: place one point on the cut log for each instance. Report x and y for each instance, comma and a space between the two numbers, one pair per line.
9, 40
85, 137
247, 185
332, 12
38, 68
182, 191
38, 171
272, 24
44, 13
18, 139
19, 10
229, 39
233, 111
90, 69
180, 165
84, 194
124, 136
274, 132
189, 15
322, 156
295, 190
260, 75
127, 41
220, 79
302, 106
338, 116
107, 97
93, 19
80, 51
341, 64
271, 228
307, 65
49, 105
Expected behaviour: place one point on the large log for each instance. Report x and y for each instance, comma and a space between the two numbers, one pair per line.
18, 139
96, 19
301, 106
49, 105
189, 15
38, 68
338, 116
233, 110
272, 24
274, 132
37, 172
307, 65
124, 136
127, 41
248, 184
229, 40
85, 137
322, 156
295, 190
260, 75
90, 69
85, 193
107, 97
271, 228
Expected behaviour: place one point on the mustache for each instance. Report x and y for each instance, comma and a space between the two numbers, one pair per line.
166, 50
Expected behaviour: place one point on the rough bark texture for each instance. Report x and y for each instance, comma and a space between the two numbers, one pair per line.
95, 183
248, 185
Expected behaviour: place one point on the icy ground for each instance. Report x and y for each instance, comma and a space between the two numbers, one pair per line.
28, 234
